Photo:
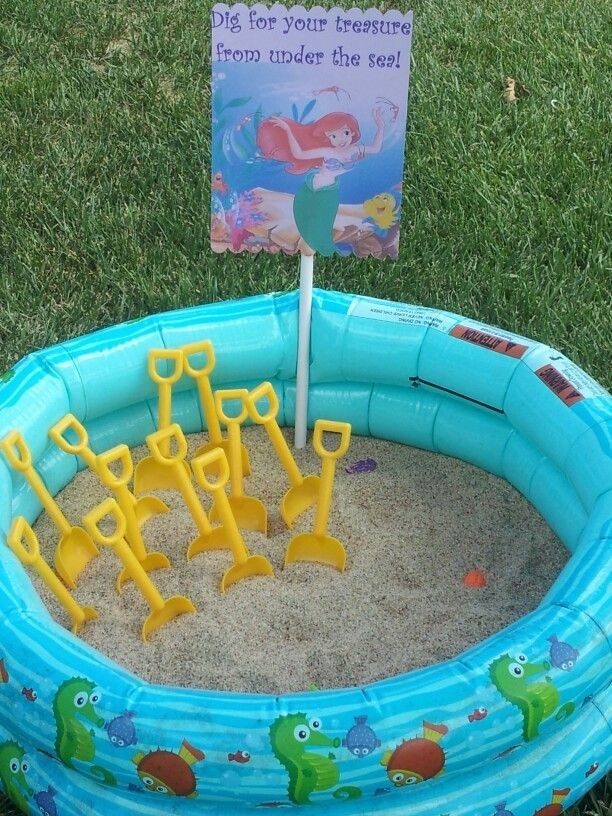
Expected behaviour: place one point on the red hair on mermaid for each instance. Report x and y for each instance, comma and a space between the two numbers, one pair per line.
274, 144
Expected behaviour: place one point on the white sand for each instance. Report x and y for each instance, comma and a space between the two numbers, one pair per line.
412, 529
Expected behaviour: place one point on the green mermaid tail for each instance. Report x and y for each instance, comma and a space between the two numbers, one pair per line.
315, 212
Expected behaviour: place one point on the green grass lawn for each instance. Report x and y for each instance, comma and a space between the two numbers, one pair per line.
104, 175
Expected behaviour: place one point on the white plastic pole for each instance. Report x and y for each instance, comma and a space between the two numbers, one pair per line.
303, 350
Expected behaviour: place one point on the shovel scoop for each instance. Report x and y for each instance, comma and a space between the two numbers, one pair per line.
163, 610
319, 546
120, 458
23, 542
169, 448
76, 548
249, 512
245, 565
149, 473
145, 507
201, 374
304, 490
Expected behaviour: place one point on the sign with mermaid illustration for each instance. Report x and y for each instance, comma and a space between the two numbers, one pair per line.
309, 115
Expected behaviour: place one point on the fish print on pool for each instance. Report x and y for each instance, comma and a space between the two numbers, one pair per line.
361, 739
417, 759
562, 655
45, 802
166, 772
121, 731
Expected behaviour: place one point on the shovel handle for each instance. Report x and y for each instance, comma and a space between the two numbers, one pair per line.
91, 520
23, 541
159, 443
204, 347
122, 455
200, 464
57, 434
156, 356
16, 450
329, 426
265, 390
232, 394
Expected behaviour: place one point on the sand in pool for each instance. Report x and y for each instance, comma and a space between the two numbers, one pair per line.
412, 528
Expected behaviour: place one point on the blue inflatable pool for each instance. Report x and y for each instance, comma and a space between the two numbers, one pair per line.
404, 745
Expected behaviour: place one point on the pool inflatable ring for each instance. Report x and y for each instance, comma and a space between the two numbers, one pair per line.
518, 725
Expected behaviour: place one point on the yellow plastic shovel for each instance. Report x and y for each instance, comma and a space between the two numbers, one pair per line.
160, 444
318, 545
162, 610
145, 507
249, 512
23, 542
149, 473
245, 565
120, 456
207, 398
75, 549
304, 490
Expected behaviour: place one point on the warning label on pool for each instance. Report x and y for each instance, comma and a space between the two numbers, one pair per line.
564, 378
508, 345
410, 315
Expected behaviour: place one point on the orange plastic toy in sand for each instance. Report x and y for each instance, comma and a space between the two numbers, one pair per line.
149, 473
245, 565
161, 445
319, 545
162, 610
304, 490
23, 542
76, 548
249, 512
120, 458
145, 507
475, 579
201, 374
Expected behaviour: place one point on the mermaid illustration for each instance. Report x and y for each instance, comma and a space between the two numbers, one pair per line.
324, 150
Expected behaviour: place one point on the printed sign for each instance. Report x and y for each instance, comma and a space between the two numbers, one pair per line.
309, 115
564, 378
489, 340
419, 316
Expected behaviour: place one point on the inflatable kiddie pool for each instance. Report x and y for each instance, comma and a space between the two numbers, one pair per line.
405, 745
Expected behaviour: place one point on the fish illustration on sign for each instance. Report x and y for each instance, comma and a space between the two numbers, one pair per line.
556, 806
478, 714
166, 772
361, 739
121, 731
29, 694
239, 756
46, 802
562, 655
417, 759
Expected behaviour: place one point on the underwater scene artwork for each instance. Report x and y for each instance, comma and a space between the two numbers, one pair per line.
309, 113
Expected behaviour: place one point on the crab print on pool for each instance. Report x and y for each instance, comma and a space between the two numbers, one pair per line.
417, 759
292, 737
537, 700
